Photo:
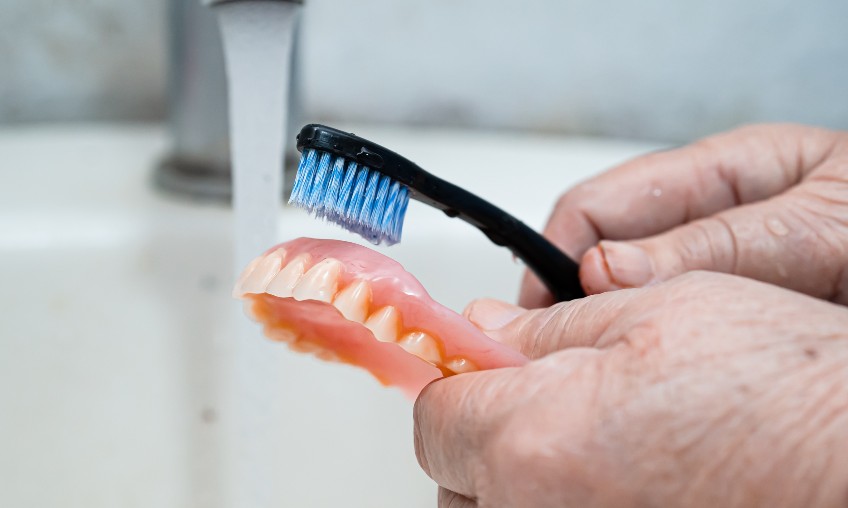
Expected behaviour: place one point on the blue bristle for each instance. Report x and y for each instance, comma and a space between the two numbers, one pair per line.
345, 191
379, 207
356, 197
391, 207
397, 223
305, 176
368, 200
315, 199
333, 188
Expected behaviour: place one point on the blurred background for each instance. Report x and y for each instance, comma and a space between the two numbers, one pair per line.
128, 375
657, 69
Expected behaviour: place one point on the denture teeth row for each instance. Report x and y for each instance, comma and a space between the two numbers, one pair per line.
321, 282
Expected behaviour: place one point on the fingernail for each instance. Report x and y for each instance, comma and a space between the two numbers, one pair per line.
489, 314
628, 265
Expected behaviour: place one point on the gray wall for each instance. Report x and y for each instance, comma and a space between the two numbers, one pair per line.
81, 59
657, 69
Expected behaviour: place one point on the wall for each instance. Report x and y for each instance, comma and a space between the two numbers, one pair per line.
657, 69
81, 59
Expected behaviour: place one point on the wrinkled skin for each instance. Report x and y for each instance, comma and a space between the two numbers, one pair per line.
769, 202
700, 389
708, 390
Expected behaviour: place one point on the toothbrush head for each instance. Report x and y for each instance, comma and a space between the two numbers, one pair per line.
356, 197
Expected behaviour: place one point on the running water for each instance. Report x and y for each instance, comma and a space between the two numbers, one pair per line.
257, 38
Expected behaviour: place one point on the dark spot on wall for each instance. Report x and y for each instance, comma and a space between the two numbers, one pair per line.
208, 283
209, 415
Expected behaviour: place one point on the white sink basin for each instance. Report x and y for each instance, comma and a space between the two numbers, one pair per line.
118, 332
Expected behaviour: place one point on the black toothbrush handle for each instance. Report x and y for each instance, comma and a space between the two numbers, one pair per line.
556, 270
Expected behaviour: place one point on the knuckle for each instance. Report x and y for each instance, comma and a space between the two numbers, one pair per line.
821, 216
712, 243
574, 198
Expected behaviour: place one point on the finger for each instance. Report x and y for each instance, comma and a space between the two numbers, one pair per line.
798, 240
659, 191
490, 314
456, 418
449, 499
656, 192
578, 323
451, 419
538, 332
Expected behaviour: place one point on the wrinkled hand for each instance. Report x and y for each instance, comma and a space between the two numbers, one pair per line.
707, 390
768, 202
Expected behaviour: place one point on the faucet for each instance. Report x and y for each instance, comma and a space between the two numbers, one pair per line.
198, 163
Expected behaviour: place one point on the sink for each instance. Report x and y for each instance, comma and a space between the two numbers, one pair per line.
118, 330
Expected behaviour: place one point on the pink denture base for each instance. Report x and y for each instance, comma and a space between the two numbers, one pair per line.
316, 326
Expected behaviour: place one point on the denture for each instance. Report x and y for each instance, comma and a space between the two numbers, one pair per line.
347, 303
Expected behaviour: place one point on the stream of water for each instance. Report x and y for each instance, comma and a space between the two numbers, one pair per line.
257, 38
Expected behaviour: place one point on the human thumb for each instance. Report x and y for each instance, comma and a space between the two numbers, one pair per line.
490, 314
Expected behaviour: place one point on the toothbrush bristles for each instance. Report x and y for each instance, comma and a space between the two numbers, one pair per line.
356, 197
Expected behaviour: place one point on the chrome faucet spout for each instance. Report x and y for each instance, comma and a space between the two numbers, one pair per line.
198, 162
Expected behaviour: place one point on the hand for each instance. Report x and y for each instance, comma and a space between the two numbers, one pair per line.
707, 390
768, 202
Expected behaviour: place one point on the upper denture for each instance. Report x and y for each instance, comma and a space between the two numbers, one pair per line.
346, 302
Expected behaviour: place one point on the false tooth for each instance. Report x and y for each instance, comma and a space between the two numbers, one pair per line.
284, 282
353, 301
238, 289
265, 271
460, 365
421, 345
320, 282
384, 324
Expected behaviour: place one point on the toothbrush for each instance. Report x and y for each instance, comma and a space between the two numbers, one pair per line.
366, 188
